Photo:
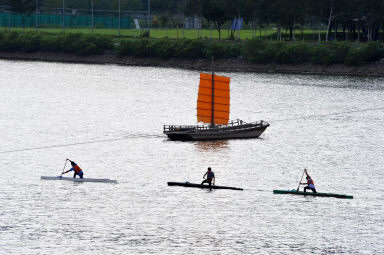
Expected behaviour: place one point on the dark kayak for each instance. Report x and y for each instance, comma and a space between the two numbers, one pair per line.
311, 193
195, 185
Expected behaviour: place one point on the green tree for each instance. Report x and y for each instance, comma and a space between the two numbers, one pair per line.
216, 11
22, 7
192, 7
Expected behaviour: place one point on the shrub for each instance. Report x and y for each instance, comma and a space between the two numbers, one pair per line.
253, 50
82, 44
364, 54
373, 52
221, 50
234, 51
102, 42
194, 49
30, 42
355, 57
69, 43
144, 33
137, 48
95, 44
262, 52
164, 49
49, 43
293, 54
2, 41
270, 52
11, 41
140, 48
338, 52
256, 51
320, 55
329, 54
125, 48
191, 49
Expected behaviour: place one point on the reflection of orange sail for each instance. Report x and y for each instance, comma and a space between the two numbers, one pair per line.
221, 99
212, 145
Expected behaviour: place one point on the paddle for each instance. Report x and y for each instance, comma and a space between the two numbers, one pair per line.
300, 180
63, 168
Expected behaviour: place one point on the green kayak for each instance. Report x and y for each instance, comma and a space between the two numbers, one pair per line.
311, 193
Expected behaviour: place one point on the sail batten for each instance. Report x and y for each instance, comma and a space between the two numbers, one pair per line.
221, 100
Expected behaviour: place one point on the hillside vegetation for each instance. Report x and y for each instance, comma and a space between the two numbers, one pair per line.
255, 51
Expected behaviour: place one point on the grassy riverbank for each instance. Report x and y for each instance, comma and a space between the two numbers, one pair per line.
253, 52
173, 33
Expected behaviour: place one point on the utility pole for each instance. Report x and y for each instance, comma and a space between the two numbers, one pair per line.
92, 15
37, 26
149, 12
63, 16
329, 22
9, 21
118, 34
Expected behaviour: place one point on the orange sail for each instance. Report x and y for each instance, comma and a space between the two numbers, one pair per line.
221, 99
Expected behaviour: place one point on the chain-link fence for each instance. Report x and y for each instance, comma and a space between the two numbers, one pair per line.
70, 21
75, 19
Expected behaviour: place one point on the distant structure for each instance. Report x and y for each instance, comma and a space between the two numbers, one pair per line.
137, 25
193, 23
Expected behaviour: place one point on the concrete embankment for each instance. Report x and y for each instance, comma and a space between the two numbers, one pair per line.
226, 65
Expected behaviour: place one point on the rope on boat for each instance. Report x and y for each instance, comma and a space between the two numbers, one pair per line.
80, 143
157, 136
329, 114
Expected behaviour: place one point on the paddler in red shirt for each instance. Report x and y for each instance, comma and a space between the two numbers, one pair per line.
76, 169
210, 177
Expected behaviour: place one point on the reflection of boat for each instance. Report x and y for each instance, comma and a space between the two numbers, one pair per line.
195, 185
295, 192
214, 145
213, 108
77, 179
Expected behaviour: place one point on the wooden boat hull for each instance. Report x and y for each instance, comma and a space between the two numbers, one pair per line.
195, 185
197, 133
61, 178
294, 192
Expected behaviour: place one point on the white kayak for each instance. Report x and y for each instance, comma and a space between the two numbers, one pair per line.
77, 179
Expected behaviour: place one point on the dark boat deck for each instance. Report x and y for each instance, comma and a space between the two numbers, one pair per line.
195, 185
234, 130
232, 125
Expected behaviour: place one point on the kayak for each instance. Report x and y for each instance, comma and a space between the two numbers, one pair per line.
295, 192
77, 179
195, 185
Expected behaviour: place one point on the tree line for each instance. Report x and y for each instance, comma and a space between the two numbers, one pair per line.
361, 20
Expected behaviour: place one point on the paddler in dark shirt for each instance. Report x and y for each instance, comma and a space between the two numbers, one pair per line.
76, 169
210, 177
310, 184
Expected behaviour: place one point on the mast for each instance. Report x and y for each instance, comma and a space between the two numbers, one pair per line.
213, 96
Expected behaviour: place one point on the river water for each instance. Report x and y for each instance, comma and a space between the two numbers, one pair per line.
109, 120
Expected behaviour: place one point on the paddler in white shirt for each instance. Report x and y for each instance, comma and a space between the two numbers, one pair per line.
310, 184
210, 177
